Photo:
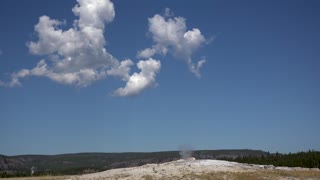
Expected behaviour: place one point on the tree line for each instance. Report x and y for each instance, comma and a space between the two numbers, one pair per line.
308, 159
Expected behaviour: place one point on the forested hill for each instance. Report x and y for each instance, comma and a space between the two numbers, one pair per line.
92, 162
309, 159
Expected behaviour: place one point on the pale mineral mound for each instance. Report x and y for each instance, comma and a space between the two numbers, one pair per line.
190, 168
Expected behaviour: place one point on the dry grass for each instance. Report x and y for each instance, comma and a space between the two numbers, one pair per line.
41, 178
147, 177
255, 175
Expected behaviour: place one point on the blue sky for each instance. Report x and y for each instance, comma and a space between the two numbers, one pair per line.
217, 75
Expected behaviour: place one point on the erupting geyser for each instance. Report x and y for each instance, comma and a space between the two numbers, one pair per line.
186, 152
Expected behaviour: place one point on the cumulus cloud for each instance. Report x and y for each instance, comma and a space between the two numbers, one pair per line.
137, 82
170, 35
77, 56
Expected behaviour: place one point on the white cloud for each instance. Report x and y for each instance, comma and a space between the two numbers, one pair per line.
122, 70
146, 53
137, 82
171, 36
195, 68
94, 13
83, 77
77, 56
